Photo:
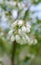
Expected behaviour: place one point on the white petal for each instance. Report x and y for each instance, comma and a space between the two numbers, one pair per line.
10, 32
19, 31
17, 37
14, 24
12, 38
20, 22
28, 30
24, 29
28, 25
14, 14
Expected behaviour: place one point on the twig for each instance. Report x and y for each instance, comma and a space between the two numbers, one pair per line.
13, 53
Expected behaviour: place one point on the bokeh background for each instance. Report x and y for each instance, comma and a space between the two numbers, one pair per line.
20, 21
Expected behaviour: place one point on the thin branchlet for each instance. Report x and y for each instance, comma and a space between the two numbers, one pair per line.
13, 52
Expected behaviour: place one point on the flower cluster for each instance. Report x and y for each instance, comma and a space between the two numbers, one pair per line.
19, 31
19, 28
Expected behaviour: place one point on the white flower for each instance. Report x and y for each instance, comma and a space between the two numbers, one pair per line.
14, 24
17, 37
24, 29
19, 5
28, 25
14, 14
32, 41
10, 32
12, 38
19, 31
20, 22
24, 40
28, 30
27, 38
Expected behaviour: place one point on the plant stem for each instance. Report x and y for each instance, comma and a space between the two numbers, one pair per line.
13, 52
